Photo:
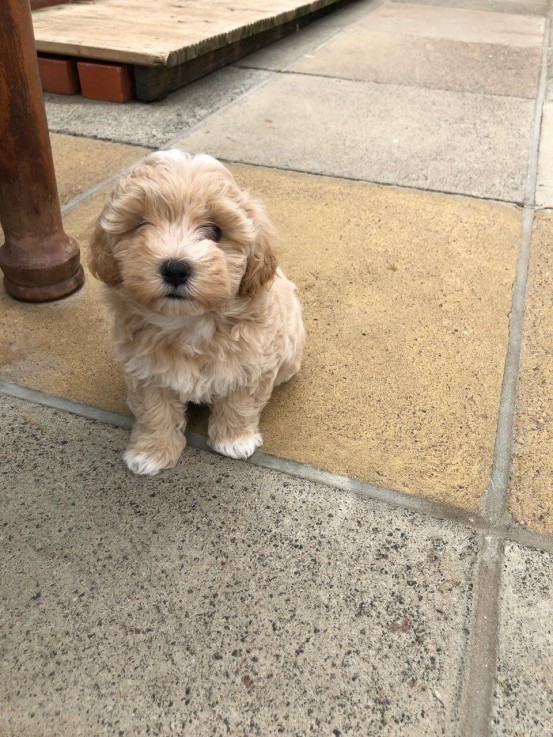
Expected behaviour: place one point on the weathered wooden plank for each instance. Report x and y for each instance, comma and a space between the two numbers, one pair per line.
160, 32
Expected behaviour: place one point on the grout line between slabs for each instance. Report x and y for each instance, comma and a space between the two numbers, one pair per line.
494, 505
377, 182
359, 80
479, 671
113, 177
370, 492
496, 496
528, 538
100, 185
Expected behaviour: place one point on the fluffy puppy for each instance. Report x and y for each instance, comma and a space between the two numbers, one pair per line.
201, 311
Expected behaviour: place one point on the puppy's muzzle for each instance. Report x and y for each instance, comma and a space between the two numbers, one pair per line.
175, 273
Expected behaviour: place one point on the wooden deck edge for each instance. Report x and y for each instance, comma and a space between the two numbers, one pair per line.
312, 9
154, 82
37, 4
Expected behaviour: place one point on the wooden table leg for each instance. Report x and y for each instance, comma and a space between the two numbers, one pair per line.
40, 262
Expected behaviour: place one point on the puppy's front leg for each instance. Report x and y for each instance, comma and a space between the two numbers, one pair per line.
234, 422
157, 438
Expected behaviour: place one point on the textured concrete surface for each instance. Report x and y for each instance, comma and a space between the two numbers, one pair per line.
522, 7
218, 598
281, 54
390, 58
473, 26
433, 139
549, 90
409, 324
406, 326
544, 188
524, 687
82, 163
153, 124
532, 472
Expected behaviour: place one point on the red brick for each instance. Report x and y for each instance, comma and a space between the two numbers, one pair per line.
58, 75
112, 82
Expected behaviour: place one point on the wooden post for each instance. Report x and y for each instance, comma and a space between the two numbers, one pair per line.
40, 262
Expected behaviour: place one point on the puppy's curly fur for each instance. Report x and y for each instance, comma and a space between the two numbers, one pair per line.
201, 311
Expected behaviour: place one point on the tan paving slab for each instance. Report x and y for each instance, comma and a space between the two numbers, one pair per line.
392, 134
531, 498
456, 23
83, 162
390, 58
406, 298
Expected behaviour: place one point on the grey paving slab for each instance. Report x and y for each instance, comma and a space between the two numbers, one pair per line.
390, 58
433, 139
460, 24
281, 54
549, 88
520, 7
523, 705
544, 183
150, 124
218, 598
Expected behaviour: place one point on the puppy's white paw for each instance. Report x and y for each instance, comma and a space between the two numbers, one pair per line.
240, 448
142, 463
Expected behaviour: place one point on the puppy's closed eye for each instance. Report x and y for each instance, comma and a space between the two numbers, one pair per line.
212, 232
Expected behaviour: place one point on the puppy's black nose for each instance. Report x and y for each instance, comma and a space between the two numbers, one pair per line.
175, 272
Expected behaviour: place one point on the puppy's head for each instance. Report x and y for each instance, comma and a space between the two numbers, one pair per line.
179, 237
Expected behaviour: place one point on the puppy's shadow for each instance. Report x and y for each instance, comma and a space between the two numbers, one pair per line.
198, 418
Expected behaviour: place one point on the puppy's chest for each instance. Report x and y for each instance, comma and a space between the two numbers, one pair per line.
199, 368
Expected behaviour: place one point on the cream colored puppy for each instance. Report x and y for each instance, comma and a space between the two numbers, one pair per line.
201, 311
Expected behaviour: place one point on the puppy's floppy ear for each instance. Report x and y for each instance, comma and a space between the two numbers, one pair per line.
101, 260
262, 260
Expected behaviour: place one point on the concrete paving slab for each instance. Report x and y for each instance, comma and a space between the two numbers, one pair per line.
400, 386
521, 7
152, 124
281, 54
524, 687
406, 298
432, 139
390, 58
218, 598
531, 496
549, 86
82, 163
544, 183
459, 24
